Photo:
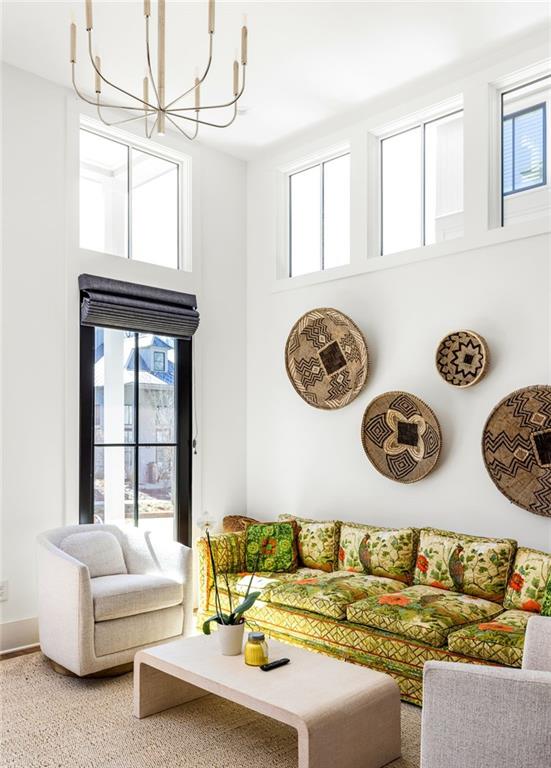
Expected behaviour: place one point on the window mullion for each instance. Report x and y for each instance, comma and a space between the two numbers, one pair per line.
136, 427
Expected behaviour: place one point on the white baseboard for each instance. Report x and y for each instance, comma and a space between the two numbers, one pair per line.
15, 635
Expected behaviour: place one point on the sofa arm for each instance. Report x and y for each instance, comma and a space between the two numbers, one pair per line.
484, 716
228, 550
65, 609
537, 644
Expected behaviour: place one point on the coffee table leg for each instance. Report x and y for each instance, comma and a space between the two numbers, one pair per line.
155, 691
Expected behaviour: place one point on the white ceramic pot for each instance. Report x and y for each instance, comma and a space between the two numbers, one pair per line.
230, 638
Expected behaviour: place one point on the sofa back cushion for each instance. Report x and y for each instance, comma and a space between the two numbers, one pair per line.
317, 541
352, 535
271, 547
470, 564
529, 577
99, 550
389, 553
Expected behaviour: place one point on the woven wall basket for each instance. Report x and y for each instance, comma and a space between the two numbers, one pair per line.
326, 358
516, 445
462, 358
401, 436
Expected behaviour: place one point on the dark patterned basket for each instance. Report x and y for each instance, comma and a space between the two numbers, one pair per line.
462, 358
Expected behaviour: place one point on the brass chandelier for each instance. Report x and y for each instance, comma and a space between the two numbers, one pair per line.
152, 106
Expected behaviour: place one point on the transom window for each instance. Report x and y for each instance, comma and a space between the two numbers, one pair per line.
319, 216
132, 201
422, 184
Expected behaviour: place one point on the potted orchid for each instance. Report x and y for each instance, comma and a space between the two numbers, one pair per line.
230, 625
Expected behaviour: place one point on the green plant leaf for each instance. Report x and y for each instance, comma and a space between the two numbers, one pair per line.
246, 604
207, 623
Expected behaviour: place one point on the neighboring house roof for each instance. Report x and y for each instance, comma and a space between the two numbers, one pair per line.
147, 374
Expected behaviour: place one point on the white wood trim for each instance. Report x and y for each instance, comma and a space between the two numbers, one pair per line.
17, 635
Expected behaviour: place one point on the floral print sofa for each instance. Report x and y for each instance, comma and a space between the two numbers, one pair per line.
390, 599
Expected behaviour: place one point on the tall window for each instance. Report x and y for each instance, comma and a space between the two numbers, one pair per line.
131, 201
422, 184
130, 475
524, 149
319, 216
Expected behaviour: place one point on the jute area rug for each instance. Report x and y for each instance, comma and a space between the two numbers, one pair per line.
53, 721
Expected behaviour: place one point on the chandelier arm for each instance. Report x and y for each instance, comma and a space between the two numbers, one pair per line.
149, 67
108, 82
201, 80
89, 100
214, 106
150, 134
116, 122
204, 122
182, 130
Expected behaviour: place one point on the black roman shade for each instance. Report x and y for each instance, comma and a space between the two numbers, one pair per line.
116, 304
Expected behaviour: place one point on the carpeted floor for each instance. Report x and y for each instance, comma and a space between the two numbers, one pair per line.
52, 721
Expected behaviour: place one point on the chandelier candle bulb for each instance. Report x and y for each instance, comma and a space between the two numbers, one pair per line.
89, 23
98, 78
244, 46
147, 7
235, 78
211, 17
73, 43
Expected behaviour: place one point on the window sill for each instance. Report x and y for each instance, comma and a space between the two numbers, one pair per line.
491, 237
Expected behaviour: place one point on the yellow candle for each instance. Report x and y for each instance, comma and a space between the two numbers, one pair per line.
89, 23
244, 45
235, 78
211, 16
197, 93
98, 78
73, 43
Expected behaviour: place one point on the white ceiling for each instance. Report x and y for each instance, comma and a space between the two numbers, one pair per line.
308, 61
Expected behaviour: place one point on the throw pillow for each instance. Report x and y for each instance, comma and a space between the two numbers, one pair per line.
527, 585
317, 544
352, 535
438, 562
99, 550
271, 547
389, 553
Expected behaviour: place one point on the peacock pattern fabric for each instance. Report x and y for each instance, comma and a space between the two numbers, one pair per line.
527, 585
326, 358
264, 582
271, 547
389, 553
401, 436
500, 640
352, 535
468, 564
546, 605
516, 447
318, 544
422, 613
330, 594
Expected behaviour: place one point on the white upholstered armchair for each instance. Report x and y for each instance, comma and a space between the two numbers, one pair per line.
488, 717
104, 593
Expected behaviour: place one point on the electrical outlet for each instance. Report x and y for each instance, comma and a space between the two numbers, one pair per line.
3, 591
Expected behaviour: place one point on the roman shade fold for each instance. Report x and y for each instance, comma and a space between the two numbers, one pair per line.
133, 307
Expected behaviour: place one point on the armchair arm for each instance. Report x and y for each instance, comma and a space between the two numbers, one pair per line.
478, 715
66, 618
175, 561
537, 644
228, 550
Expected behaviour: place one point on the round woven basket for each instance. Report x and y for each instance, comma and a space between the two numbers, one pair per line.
462, 358
326, 358
401, 436
516, 446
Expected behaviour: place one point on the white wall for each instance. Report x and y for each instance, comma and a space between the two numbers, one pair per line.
310, 462
41, 264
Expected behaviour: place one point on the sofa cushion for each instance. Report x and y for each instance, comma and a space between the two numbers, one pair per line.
329, 594
271, 547
351, 537
526, 588
500, 640
99, 550
317, 541
461, 563
546, 605
129, 594
263, 582
229, 552
423, 613
389, 553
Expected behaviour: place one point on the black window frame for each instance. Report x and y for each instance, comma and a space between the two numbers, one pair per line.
182, 444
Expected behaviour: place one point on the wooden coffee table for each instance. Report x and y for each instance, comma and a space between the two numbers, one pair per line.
346, 716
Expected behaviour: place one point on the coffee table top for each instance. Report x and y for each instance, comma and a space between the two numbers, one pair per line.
310, 684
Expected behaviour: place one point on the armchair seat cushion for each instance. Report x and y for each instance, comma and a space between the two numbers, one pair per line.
422, 613
129, 594
500, 640
330, 593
